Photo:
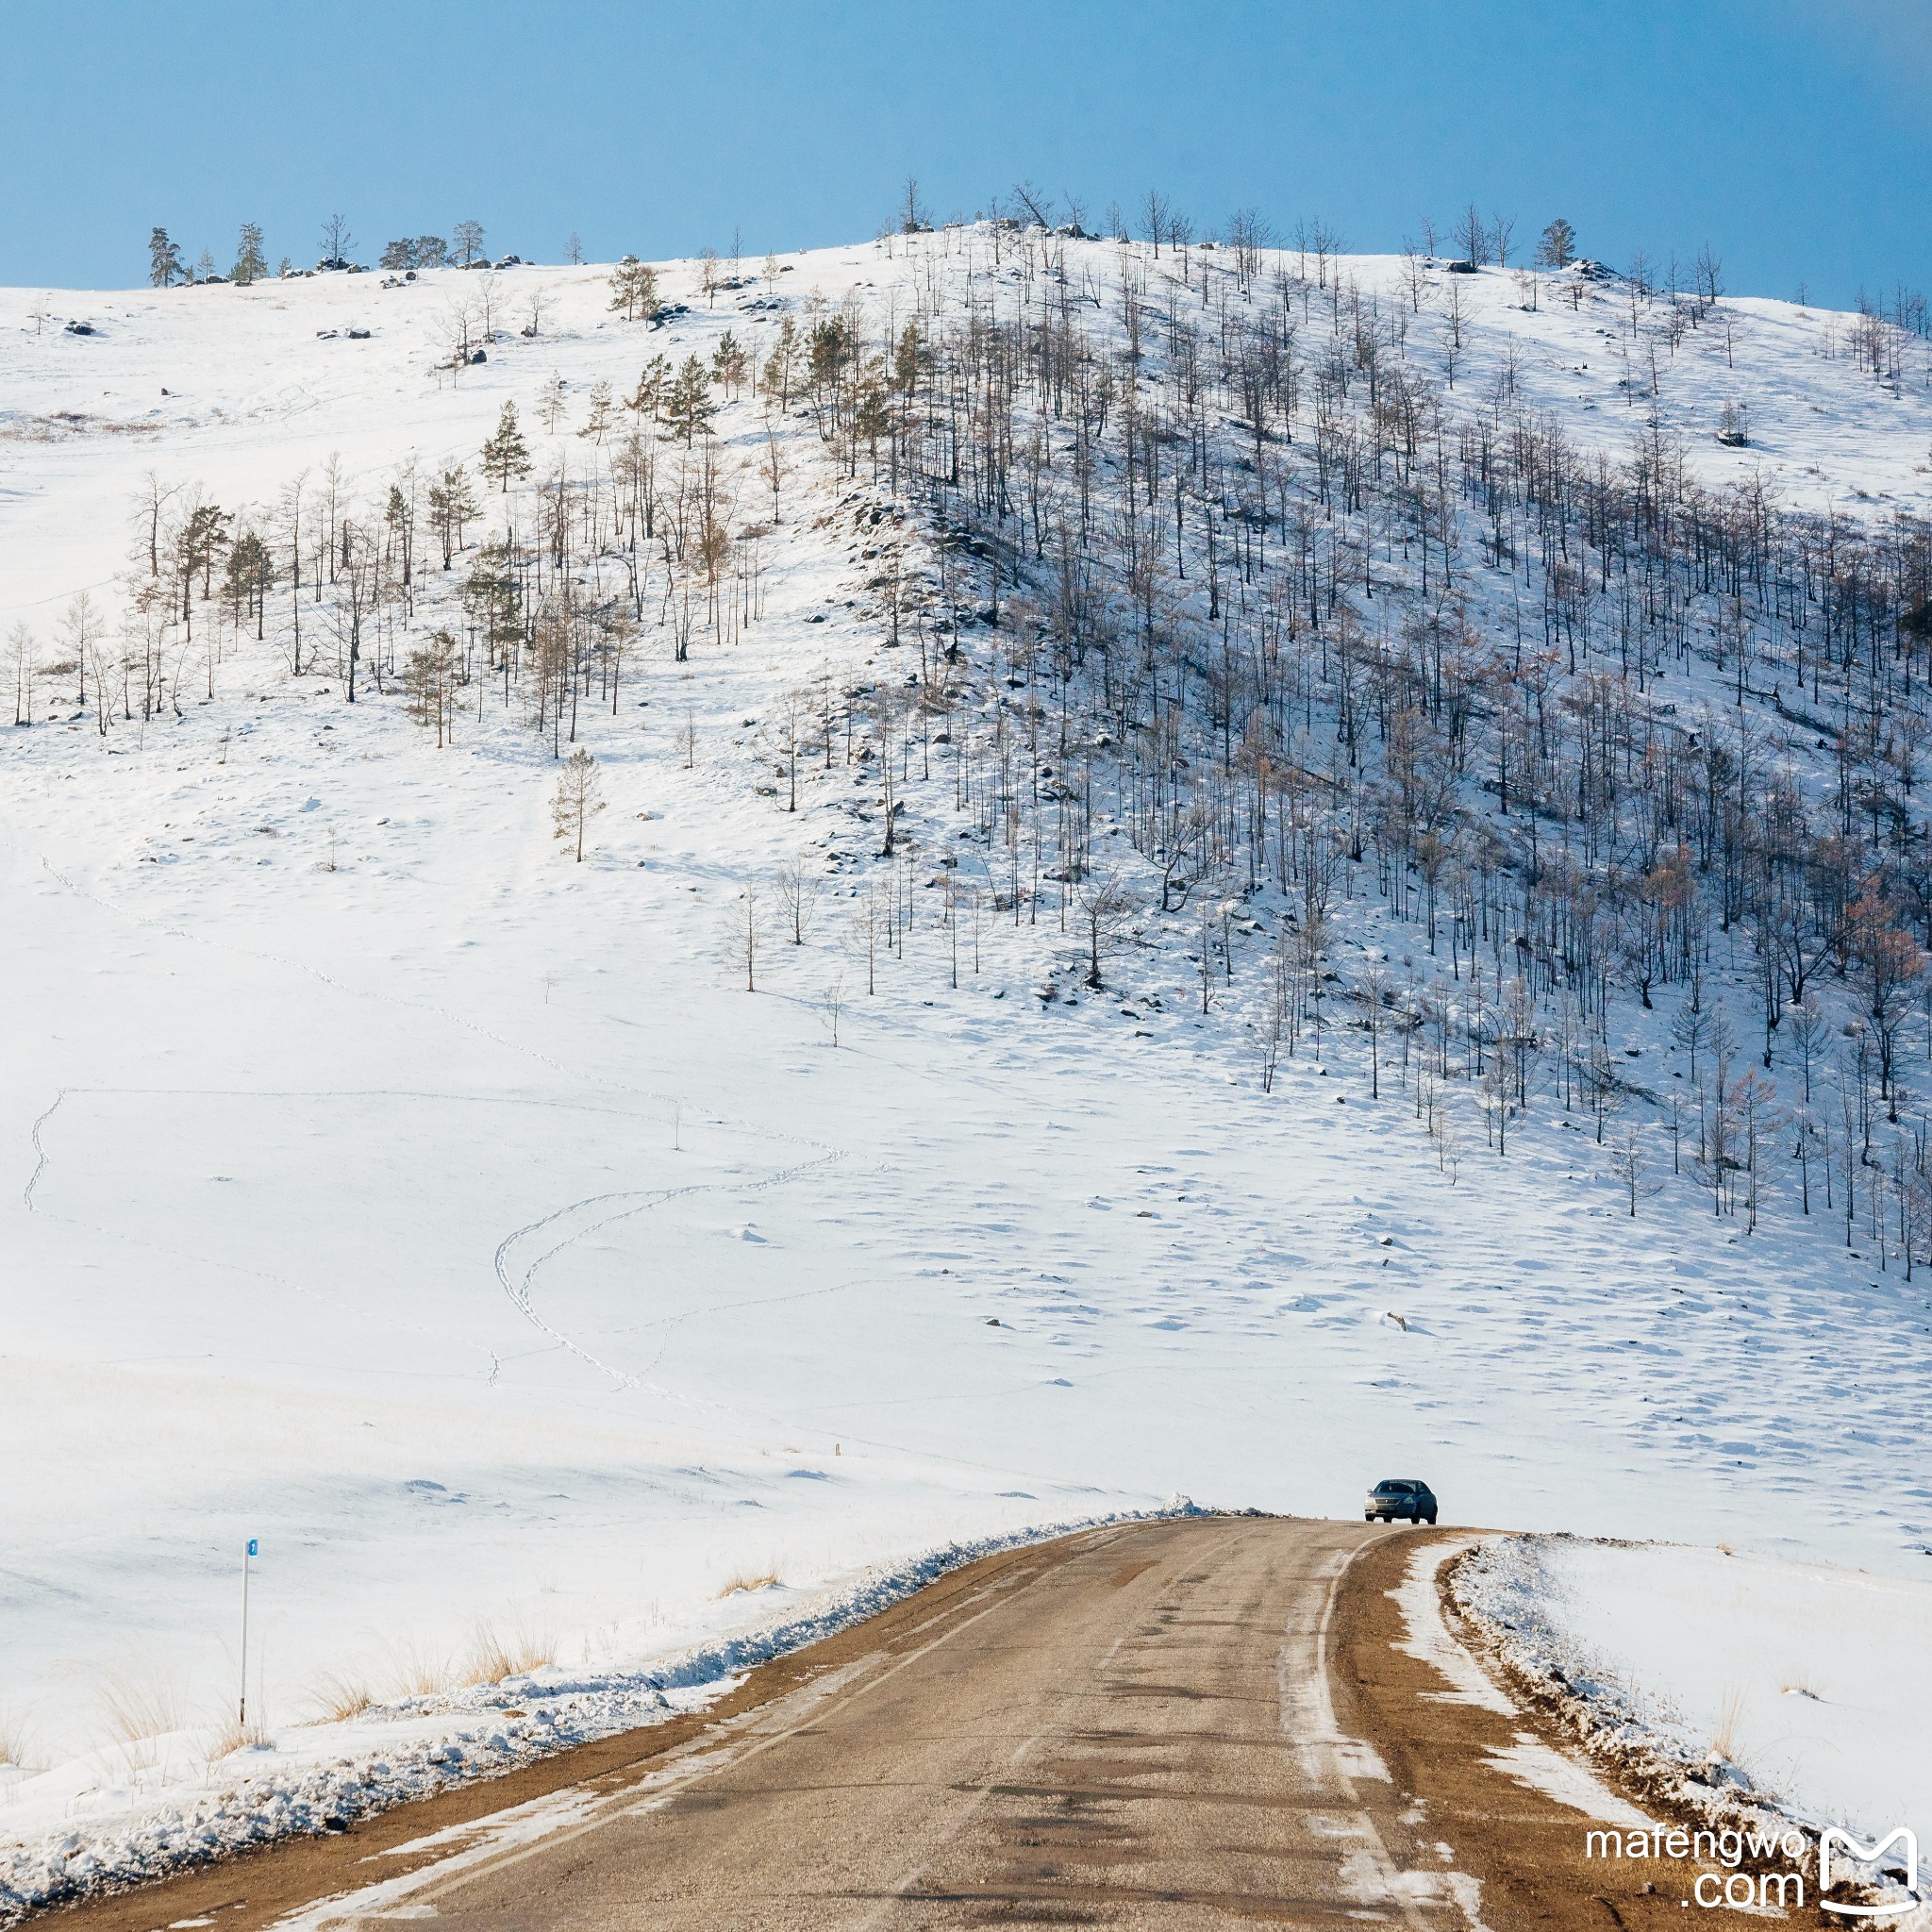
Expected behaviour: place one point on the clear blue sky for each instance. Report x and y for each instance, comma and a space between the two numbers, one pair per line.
1791, 134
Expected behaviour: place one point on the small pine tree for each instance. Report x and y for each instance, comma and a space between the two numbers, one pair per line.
687, 407
468, 240
493, 598
554, 406
432, 251
574, 250
429, 681
164, 267
597, 420
507, 455
827, 349
576, 802
907, 359
730, 365
397, 255
649, 393
451, 504
634, 289
399, 513
204, 267
251, 265
1557, 247
779, 362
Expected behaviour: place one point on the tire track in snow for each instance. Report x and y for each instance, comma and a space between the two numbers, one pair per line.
521, 1290
304, 1093
33, 1180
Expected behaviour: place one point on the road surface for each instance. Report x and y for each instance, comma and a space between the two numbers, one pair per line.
1134, 1729
1210, 1722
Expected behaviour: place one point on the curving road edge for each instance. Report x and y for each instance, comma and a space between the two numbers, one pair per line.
1207, 1722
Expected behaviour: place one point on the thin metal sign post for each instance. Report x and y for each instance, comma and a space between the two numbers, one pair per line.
253, 1549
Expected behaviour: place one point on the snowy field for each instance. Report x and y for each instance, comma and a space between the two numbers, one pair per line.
451, 1219
1809, 1683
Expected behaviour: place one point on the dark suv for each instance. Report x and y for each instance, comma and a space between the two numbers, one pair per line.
1399, 1501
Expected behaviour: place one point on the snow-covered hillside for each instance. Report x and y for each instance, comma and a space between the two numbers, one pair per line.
450, 1215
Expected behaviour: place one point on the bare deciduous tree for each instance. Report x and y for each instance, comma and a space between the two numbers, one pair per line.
744, 934
1106, 906
798, 894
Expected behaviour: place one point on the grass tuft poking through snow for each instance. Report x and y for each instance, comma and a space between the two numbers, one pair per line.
336, 1696
745, 1584
501, 1650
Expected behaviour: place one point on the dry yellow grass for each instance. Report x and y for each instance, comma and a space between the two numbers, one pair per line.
17, 1742
234, 1736
336, 1696
137, 1704
416, 1671
1724, 1735
744, 1582
500, 1651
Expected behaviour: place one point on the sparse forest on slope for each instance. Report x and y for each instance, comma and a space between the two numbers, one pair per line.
678, 928
1237, 584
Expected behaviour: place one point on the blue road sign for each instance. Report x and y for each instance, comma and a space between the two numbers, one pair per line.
254, 1546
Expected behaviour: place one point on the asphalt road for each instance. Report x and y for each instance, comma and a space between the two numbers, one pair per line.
1130, 1727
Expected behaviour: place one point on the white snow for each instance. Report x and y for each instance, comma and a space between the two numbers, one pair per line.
1528, 1758
1429, 1641
443, 1213
146, 1804
1813, 1680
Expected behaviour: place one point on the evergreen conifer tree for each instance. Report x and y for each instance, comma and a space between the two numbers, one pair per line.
576, 802
688, 407
251, 265
603, 405
730, 365
650, 389
634, 289
495, 601
507, 455
164, 261
1557, 248
451, 504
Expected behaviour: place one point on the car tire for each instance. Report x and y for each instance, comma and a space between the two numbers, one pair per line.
1430, 1521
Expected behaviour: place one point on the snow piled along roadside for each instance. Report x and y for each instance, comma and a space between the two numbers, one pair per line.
1750, 1689
321, 1778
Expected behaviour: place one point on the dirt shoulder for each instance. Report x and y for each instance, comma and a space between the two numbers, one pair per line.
1527, 1849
